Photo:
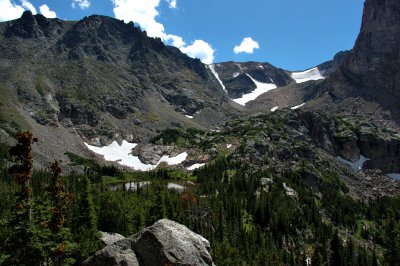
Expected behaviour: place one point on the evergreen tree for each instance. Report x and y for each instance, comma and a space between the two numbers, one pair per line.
21, 245
84, 221
335, 258
60, 246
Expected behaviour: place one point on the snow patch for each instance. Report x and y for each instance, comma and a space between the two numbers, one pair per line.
356, 166
297, 106
310, 74
228, 146
260, 89
212, 68
236, 74
173, 160
195, 166
394, 176
122, 154
273, 109
189, 116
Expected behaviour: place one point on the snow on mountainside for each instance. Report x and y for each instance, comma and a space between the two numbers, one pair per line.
310, 74
260, 89
122, 154
212, 68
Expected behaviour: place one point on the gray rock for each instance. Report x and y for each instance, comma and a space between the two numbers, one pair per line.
110, 238
151, 154
169, 243
117, 254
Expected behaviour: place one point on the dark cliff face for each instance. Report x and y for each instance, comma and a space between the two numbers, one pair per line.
327, 68
372, 68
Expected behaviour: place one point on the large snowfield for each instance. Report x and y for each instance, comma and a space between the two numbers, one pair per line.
310, 74
122, 154
260, 89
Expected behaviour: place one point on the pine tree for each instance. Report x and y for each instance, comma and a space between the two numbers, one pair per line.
22, 242
335, 258
60, 244
84, 224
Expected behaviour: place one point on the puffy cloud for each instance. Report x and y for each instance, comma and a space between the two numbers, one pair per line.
174, 40
82, 4
45, 10
172, 3
246, 46
141, 12
9, 10
27, 5
145, 12
200, 49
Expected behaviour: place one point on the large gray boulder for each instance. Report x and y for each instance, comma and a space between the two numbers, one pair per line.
164, 243
117, 254
169, 243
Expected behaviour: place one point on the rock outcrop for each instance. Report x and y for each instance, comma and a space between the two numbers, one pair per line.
117, 254
164, 243
372, 68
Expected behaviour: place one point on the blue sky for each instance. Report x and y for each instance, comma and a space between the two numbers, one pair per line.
290, 34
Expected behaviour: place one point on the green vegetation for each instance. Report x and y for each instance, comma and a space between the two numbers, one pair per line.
251, 215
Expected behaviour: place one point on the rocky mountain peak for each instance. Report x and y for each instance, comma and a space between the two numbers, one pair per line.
33, 26
372, 68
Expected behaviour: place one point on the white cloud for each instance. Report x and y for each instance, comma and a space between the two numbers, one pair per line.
83, 4
45, 11
144, 13
246, 46
9, 10
174, 40
172, 3
200, 49
141, 12
27, 5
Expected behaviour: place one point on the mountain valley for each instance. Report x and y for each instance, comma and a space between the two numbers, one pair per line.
280, 167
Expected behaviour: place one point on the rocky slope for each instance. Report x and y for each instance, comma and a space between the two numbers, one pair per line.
325, 150
236, 77
100, 79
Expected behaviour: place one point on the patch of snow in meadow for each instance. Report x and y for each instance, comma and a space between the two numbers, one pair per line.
212, 68
173, 160
273, 109
356, 166
189, 116
123, 155
297, 106
260, 89
195, 166
310, 74
228, 146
